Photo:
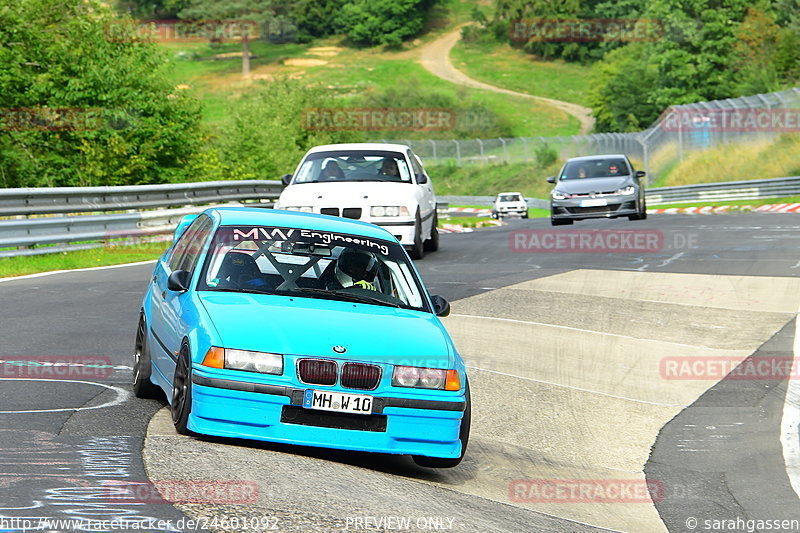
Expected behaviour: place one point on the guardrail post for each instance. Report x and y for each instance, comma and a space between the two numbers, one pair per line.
505, 150
458, 152
433, 145
480, 143
525, 144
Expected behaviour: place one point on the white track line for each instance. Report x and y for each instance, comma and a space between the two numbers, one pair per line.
122, 397
570, 328
590, 391
790, 422
107, 267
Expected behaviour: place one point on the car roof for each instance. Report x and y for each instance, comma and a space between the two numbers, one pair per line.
595, 157
388, 147
260, 216
509, 192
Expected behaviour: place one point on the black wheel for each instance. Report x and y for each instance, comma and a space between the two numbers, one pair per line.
142, 367
641, 215
525, 214
417, 250
182, 392
432, 244
561, 221
463, 435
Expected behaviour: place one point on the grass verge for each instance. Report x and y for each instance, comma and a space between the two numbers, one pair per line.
109, 255
503, 66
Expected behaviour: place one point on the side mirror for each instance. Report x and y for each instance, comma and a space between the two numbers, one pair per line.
286, 179
422, 178
551, 179
641, 173
440, 306
178, 281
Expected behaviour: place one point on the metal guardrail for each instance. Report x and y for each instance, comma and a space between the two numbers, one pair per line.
20, 234
57, 200
725, 191
489, 200
90, 231
702, 192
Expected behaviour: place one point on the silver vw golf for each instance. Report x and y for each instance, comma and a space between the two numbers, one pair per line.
597, 186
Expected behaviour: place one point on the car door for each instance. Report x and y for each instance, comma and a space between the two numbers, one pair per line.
167, 325
427, 196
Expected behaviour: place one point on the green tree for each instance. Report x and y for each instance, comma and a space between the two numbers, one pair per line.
85, 101
266, 136
389, 22
244, 14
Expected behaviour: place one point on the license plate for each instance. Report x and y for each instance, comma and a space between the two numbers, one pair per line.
342, 402
594, 202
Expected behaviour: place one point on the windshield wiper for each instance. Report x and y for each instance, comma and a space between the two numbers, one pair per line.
349, 296
241, 289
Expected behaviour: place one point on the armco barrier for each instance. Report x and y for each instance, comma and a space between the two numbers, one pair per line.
61, 232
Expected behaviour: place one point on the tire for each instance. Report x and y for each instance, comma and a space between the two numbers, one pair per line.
182, 392
525, 214
417, 250
463, 435
642, 215
561, 221
142, 364
432, 244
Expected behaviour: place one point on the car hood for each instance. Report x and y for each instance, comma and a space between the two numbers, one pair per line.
360, 193
313, 326
598, 185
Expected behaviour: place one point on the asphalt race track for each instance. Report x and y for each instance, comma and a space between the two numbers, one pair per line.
569, 358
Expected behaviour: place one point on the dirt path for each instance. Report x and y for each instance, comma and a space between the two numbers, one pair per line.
435, 57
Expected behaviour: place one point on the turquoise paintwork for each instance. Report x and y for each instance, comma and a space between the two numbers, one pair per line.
296, 327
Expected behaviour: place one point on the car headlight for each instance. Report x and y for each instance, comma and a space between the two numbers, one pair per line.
301, 208
388, 211
262, 362
558, 195
630, 189
426, 378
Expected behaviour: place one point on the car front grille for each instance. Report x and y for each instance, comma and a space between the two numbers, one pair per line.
317, 371
593, 210
292, 414
351, 212
360, 376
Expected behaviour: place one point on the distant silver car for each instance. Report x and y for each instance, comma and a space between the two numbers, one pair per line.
597, 186
509, 203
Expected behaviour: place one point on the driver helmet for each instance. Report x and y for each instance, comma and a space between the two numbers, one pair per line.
355, 265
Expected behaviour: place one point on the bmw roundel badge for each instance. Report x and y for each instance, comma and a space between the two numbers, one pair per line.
339, 349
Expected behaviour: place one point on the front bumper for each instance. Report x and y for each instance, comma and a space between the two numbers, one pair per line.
617, 206
403, 230
398, 425
511, 210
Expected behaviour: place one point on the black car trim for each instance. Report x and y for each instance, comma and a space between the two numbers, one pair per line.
395, 223
164, 346
296, 395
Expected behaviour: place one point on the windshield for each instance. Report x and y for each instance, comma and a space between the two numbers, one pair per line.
595, 168
353, 165
312, 264
509, 198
